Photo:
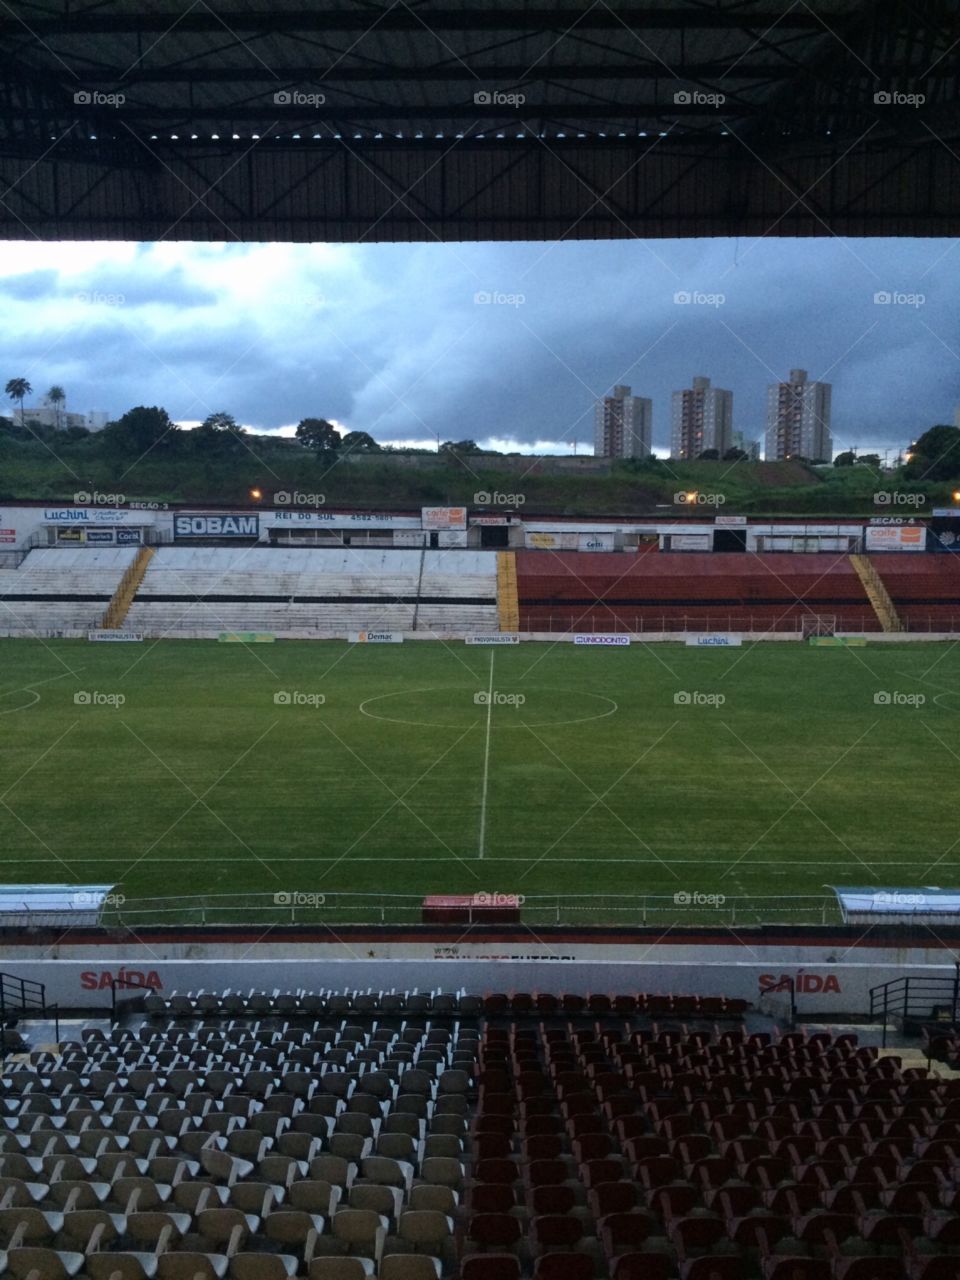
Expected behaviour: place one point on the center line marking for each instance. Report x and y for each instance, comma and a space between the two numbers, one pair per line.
486, 761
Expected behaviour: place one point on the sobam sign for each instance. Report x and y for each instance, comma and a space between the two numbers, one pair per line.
210, 526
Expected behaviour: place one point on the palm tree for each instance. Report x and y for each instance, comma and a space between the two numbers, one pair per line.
56, 396
18, 389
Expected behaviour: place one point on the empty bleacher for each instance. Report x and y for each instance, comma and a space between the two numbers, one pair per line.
304, 591
664, 591
60, 589
412, 1137
925, 589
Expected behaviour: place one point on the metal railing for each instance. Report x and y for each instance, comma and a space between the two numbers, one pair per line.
915, 997
704, 910
635, 626
125, 983
23, 998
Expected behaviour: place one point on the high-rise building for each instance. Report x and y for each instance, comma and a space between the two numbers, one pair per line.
50, 416
751, 447
622, 425
798, 419
702, 418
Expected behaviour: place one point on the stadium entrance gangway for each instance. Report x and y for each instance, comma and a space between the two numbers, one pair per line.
915, 997
23, 998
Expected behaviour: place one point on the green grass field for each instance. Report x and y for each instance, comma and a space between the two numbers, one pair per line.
599, 783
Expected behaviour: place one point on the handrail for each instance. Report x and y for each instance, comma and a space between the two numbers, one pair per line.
124, 982
15, 994
899, 997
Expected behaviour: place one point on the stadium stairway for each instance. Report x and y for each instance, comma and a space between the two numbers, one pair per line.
508, 604
877, 594
129, 585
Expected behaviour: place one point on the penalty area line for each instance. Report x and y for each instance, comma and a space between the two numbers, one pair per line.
486, 763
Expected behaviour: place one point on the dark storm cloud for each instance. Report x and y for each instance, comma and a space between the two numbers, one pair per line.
504, 342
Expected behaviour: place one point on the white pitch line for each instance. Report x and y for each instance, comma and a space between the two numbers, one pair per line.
486, 761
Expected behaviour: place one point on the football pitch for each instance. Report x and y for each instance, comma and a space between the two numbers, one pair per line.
179, 769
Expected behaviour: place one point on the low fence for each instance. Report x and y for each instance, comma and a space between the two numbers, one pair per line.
332, 909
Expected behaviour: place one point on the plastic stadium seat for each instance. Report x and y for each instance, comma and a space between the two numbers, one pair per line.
490, 1266
490, 1197
564, 1266
595, 1172
643, 1266
494, 1232
722, 1267
626, 1232
549, 1200
402, 1266
263, 1266
613, 1197
497, 1170
341, 1269
553, 1232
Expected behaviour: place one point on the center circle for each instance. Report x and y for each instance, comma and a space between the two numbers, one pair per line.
33, 699
482, 709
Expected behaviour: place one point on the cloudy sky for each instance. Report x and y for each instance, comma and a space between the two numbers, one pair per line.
508, 344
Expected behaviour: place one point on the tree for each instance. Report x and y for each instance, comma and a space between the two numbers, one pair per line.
141, 430
710, 455
460, 446
845, 459
317, 433
359, 442
18, 389
56, 397
217, 433
936, 455
736, 455
869, 460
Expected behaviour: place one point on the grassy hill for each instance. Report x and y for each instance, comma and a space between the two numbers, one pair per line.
56, 468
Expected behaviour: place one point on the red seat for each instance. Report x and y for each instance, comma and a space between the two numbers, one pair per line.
597, 1171
613, 1197
490, 1266
496, 1002
713, 1267
491, 1197
556, 1232
540, 1126
491, 1146
564, 1266
791, 1268
870, 1268
938, 1266
547, 1173
592, 1146
549, 1200
656, 1171
497, 1171
492, 1123
494, 1231
641, 1266
545, 1146
625, 1232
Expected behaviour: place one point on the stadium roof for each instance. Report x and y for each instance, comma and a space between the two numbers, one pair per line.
52, 904
404, 120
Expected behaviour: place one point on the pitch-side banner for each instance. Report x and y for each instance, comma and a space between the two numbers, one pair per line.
376, 637
605, 641
216, 526
718, 640
128, 637
507, 637
896, 537
444, 517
